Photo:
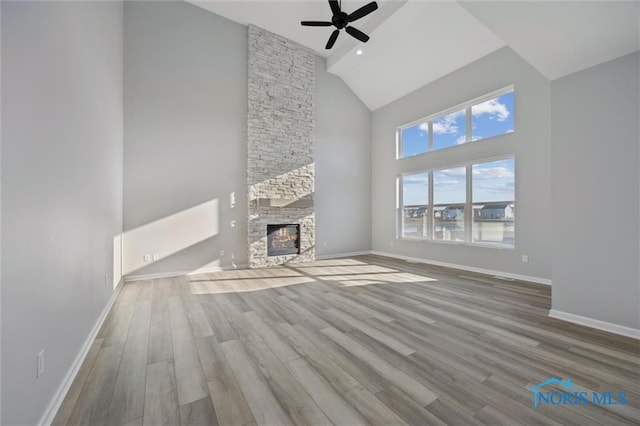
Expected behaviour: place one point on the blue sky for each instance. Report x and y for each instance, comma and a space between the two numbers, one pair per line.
415, 140
449, 186
415, 189
492, 181
489, 118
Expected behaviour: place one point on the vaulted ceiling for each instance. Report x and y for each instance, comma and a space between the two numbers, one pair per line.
415, 42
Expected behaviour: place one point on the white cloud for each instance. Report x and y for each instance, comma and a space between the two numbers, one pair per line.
443, 127
424, 127
447, 124
439, 184
454, 173
492, 107
498, 187
419, 179
492, 173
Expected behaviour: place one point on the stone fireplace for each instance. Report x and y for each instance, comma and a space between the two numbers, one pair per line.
280, 135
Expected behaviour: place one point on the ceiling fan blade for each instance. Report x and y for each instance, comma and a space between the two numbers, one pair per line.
316, 24
357, 34
363, 11
332, 39
335, 7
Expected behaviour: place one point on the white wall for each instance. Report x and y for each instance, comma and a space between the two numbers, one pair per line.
185, 85
343, 167
596, 178
531, 144
0, 213
185, 132
61, 188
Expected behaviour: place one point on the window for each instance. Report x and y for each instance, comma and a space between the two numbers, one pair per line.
492, 117
415, 196
461, 197
415, 139
474, 203
485, 117
493, 188
449, 130
449, 199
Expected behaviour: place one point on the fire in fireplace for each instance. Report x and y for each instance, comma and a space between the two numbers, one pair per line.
283, 239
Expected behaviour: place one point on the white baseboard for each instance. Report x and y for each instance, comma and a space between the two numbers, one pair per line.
492, 272
61, 392
597, 324
338, 255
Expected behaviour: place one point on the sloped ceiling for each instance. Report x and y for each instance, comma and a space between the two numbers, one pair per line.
415, 42
562, 37
418, 44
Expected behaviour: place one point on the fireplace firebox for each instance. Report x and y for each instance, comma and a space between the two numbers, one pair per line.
283, 239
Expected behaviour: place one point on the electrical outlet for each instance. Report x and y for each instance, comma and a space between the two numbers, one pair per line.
525, 258
147, 258
156, 256
40, 370
221, 253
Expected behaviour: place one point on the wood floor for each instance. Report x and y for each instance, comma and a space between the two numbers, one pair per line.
364, 340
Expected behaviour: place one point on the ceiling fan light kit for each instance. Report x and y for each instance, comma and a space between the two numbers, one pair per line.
342, 20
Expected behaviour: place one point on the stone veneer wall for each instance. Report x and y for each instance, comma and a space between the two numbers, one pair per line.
280, 142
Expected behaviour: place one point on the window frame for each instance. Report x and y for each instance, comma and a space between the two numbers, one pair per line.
468, 204
466, 106
515, 202
400, 205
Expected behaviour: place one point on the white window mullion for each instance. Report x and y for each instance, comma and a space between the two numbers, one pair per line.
430, 141
399, 212
468, 123
468, 209
430, 208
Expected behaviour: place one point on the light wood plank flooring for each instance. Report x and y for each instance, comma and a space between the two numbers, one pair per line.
363, 340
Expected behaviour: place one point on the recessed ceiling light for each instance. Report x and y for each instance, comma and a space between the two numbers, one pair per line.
359, 52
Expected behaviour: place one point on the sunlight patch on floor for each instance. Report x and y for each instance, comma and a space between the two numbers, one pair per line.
331, 262
344, 270
380, 278
277, 272
244, 285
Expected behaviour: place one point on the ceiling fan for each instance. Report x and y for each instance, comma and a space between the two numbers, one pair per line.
341, 20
